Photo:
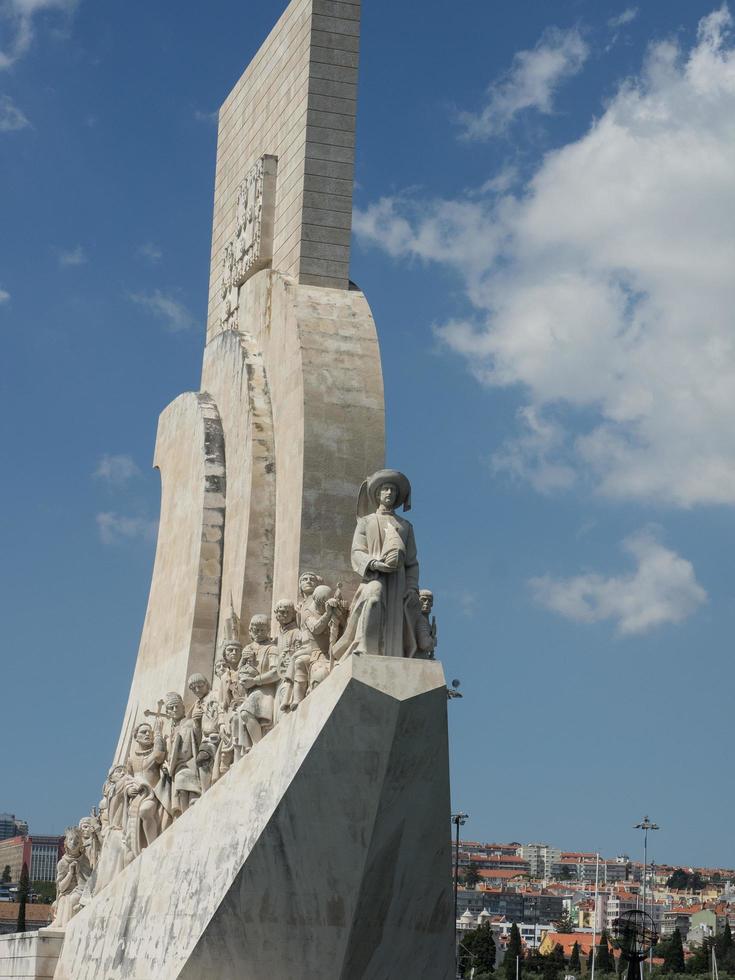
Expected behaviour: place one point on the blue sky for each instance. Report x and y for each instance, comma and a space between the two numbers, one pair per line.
545, 209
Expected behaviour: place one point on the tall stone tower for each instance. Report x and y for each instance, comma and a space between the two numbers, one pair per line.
259, 469
321, 849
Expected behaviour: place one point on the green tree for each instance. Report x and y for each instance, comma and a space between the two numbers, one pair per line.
534, 962
674, 955
723, 942
574, 962
565, 924
477, 950
23, 890
679, 879
554, 963
7, 875
701, 959
470, 877
604, 960
513, 953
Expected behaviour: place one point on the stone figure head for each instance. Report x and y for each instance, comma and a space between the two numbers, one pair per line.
174, 706
308, 581
143, 735
231, 652
115, 774
320, 596
89, 827
391, 488
220, 668
199, 686
426, 600
260, 628
73, 843
285, 612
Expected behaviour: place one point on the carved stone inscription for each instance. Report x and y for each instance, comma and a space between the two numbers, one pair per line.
251, 248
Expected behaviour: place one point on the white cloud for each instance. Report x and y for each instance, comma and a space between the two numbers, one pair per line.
604, 289
212, 118
626, 16
11, 117
661, 589
116, 469
4, 296
72, 257
531, 82
150, 252
19, 18
115, 528
172, 311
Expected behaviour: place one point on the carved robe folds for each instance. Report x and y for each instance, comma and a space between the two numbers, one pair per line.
380, 621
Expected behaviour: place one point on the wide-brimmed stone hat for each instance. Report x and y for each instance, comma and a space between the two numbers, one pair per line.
367, 499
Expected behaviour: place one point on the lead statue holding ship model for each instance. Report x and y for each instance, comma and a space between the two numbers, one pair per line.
383, 613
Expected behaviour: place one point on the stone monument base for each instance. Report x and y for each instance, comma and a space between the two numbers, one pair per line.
324, 854
30, 955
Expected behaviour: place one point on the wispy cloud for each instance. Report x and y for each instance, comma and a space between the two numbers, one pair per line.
627, 16
4, 296
531, 83
661, 589
151, 252
116, 469
614, 327
211, 118
19, 20
174, 314
72, 257
116, 528
11, 117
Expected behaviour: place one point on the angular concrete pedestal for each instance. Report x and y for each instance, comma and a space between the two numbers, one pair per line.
30, 955
323, 855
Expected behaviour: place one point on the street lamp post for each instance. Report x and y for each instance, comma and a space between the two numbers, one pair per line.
645, 825
459, 820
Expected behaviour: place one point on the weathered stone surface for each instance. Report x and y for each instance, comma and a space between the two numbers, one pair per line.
180, 626
300, 394
30, 955
330, 856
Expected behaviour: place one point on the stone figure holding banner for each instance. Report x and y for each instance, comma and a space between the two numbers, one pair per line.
383, 612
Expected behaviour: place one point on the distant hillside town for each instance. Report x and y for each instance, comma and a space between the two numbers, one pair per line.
565, 903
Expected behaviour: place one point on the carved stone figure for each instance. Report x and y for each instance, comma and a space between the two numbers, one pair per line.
72, 874
114, 855
91, 830
308, 581
426, 625
381, 620
179, 785
311, 663
225, 669
144, 818
259, 678
206, 710
288, 641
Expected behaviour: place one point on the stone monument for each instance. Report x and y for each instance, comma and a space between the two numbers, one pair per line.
278, 803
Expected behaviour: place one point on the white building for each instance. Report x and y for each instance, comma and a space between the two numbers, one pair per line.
543, 861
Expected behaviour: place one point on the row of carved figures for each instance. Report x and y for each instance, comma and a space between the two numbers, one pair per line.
179, 754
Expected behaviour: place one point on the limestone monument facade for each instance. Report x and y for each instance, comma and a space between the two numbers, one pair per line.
278, 803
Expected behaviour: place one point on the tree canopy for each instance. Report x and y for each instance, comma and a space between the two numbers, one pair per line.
477, 950
674, 954
513, 952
